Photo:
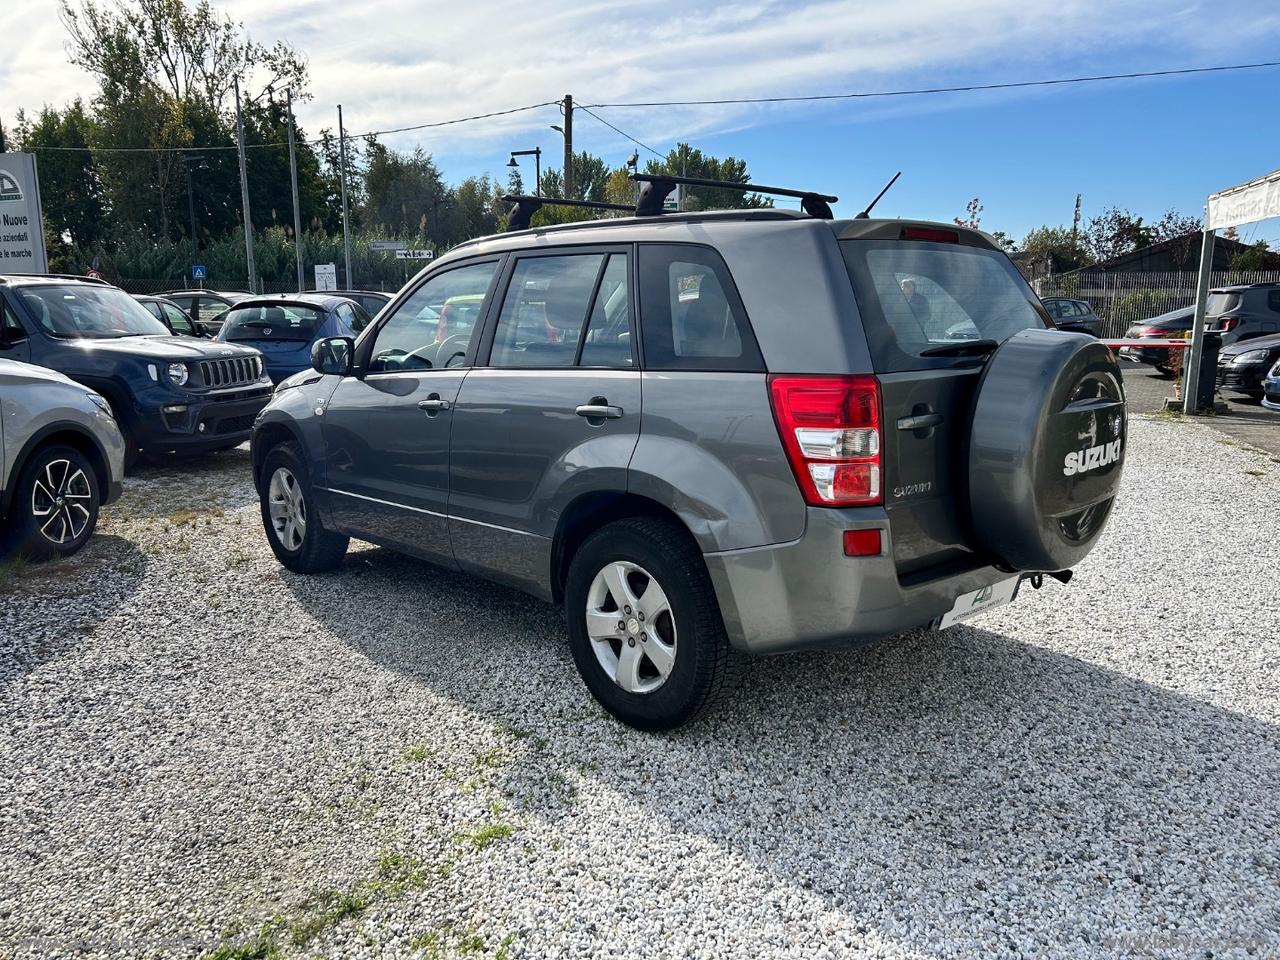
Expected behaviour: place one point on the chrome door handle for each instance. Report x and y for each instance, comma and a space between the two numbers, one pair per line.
599, 411
433, 405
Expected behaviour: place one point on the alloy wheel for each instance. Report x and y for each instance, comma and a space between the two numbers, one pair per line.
60, 502
631, 626
288, 509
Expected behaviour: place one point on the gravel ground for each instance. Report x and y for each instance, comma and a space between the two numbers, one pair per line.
204, 755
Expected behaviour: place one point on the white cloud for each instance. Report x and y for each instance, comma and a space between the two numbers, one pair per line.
397, 62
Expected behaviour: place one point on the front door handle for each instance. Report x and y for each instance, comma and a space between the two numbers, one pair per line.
599, 409
433, 405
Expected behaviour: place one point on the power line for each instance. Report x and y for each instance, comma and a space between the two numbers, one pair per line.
924, 91
312, 142
623, 133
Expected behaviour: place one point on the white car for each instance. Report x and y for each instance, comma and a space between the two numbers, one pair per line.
61, 458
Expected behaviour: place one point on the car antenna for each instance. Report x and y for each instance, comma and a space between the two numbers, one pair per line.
865, 214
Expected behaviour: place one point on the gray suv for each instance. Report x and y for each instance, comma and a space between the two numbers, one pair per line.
706, 435
61, 458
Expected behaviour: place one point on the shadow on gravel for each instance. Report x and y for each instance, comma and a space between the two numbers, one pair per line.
961, 788
102, 577
171, 484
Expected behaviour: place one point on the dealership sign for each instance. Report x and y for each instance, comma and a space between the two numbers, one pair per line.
21, 226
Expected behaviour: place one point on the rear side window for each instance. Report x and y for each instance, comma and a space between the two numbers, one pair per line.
690, 315
545, 310
914, 296
10, 329
272, 323
1273, 300
1221, 302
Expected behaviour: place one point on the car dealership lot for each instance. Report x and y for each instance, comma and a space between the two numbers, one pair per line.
203, 752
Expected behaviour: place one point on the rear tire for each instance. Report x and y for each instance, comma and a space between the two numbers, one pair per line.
293, 525
654, 659
55, 506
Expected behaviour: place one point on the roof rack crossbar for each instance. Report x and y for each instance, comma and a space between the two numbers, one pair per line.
524, 207
657, 187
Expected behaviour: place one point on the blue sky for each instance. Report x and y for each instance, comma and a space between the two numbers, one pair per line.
1024, 153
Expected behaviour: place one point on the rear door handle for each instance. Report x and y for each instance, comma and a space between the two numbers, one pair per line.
920, 421
599, 411
433, 405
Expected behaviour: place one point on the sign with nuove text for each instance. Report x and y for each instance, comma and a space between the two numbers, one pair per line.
21, 226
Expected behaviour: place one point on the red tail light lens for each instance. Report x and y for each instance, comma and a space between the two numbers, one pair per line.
1229, 323
830, 428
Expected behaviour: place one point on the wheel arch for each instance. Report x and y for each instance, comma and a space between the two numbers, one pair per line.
53, 434
271, 434
589, 512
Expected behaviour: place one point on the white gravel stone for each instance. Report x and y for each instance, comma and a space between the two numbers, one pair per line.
201, 751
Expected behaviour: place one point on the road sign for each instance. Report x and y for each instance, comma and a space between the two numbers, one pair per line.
414, 254
199, 272
326, 276
386, 245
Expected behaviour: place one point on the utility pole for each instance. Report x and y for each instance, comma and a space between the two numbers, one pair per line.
293, 177
1075, 222
346, 231
187, 161
244, 198
568, 146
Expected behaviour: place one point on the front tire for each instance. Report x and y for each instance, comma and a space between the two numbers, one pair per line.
644, 626
293, 525
55, 506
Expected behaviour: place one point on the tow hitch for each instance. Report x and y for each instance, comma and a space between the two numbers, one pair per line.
1037, 579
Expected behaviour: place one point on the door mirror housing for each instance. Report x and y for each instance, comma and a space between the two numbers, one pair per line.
332, 355
202, 330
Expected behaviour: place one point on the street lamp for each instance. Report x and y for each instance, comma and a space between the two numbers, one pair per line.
536, 153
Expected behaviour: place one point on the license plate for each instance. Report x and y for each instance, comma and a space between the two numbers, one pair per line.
987, 598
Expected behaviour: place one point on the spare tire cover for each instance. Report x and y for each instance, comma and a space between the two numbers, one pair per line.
1046, 449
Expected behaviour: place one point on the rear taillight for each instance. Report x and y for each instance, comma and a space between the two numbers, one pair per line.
830, 428
1228, 323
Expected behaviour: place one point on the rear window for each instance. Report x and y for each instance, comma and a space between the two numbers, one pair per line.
914, 296
272, 323
1221, 303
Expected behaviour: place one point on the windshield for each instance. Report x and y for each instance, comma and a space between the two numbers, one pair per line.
1221, 303
272, 322
90, 311
914, 296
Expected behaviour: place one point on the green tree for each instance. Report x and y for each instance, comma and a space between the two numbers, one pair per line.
1058, 242
404, 193
692, 162
1256, 257
1114, 233
71, 190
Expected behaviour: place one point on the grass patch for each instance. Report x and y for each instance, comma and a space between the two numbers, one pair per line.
491, 759
416, 753
510, 730
483, 836
453, 942
262, 946
184, 518
13, 570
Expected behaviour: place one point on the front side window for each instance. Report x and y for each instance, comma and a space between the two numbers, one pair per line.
178, 320
690, 314
89, 312
545, 310
915, 296
272, 322
434, 326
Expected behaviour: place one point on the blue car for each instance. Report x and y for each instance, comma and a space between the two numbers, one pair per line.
282, 328
1271, 388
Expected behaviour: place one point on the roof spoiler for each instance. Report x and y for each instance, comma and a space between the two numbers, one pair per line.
523, 208
658, 186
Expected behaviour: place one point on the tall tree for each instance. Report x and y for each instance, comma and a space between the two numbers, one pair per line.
692, 162
71, 190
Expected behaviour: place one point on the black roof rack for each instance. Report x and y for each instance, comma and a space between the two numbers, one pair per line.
657, 186
524, 208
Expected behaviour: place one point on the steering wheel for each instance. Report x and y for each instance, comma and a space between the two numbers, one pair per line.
448, 349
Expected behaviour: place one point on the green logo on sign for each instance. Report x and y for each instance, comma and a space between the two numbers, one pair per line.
9, 189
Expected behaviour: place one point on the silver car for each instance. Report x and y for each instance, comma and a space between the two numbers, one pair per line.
61, 458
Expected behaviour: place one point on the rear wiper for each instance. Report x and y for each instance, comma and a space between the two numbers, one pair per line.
965, 348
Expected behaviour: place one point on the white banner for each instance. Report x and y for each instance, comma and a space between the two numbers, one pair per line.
326, 276
1248, 203
21, 225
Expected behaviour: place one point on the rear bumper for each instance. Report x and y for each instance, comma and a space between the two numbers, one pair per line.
807, 593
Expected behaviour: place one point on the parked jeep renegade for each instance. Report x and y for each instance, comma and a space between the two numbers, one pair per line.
707, 434
168, 393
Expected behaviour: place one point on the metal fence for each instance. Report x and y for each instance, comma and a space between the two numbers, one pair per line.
1122, 299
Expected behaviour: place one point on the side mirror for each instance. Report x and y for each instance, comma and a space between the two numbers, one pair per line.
202, 330
333, 355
